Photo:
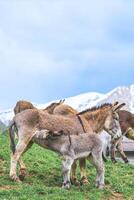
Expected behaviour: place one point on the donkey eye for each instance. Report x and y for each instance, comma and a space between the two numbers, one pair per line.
116, 117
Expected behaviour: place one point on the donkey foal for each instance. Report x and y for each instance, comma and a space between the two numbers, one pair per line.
73, 147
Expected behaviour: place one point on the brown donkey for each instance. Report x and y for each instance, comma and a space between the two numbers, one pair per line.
24, 105
126, 120
30, 121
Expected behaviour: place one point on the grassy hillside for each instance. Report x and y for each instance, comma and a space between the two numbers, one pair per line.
2, 126
44, 179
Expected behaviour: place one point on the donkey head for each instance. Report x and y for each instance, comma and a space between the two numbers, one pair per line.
52, 106
112, 125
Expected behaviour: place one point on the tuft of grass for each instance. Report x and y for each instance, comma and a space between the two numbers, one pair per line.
44, 178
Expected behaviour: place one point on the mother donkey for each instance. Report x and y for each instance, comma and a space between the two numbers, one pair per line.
29, 122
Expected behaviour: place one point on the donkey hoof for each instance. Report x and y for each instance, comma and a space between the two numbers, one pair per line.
22, 174
101, 186
66, 185
75, 182
15, 178
21, 177
114, 161
126, 161
84, 180
18, 180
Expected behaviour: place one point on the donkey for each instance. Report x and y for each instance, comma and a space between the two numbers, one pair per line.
96, 120
65, 110
31, 120
50, 108
28, 122
24, 105
126, 120
72, 147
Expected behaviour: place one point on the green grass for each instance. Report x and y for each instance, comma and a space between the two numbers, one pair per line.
44, 178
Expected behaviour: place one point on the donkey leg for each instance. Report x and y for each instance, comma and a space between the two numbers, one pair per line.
22, 172
67, 163
98, 163
113, 147
82, 163
15, 158
73, 174
120, 149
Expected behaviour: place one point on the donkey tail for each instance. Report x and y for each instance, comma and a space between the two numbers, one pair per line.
12, 136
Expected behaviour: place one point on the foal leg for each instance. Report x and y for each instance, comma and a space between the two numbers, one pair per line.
120, 149
67, 163
100, 171
82, 163
97, 161
73, 174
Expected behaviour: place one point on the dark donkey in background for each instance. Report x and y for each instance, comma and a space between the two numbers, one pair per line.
32, 120
126, 120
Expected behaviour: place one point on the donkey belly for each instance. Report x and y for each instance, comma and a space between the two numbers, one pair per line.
81, 148
40, 141
84, 154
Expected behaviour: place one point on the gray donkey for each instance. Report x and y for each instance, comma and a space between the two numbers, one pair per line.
71, 148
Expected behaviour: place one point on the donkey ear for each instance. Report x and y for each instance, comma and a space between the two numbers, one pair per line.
115, 103
118, 107
61, 101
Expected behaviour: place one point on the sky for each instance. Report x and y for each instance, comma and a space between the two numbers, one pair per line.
53, 49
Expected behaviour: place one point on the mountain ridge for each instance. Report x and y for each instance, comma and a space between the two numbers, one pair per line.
87, 100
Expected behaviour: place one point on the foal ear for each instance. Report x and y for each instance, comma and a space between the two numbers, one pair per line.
118, 107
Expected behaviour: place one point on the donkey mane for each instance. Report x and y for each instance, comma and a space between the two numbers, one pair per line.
95, 108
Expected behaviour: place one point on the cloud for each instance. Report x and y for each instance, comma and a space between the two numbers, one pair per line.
50, 44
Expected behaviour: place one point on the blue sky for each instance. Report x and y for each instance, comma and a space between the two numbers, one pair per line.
58, 48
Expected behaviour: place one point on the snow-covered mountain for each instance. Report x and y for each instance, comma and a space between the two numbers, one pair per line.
87, 100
